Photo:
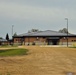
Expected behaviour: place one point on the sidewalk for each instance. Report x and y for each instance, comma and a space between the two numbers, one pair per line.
55, 46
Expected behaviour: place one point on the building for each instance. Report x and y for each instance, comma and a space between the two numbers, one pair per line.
47, 37
3, 41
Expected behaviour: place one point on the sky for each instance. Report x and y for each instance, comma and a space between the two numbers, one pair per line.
25, 15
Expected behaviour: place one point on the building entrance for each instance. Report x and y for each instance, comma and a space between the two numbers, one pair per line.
53, 41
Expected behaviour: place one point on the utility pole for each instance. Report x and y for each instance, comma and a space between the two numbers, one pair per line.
12, 34
12, 30
67, 30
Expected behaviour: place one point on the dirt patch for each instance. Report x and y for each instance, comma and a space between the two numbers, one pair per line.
41, 61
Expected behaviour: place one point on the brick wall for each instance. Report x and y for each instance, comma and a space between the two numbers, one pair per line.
71, 40
41, 40
36, 40
17, 40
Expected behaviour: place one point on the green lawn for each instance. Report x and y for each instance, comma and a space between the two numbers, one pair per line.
13, 52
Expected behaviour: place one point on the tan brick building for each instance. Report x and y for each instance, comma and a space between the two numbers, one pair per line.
3, 42
47, 37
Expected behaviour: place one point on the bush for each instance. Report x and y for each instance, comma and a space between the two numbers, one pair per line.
74, 45
33, 43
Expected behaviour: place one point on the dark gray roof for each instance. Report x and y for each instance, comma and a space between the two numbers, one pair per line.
45, 33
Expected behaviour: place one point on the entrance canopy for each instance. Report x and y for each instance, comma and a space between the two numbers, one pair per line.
53, 38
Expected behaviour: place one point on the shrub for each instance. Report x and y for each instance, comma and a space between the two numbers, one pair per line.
33, 43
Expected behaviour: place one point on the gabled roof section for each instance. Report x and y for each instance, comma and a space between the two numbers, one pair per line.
45, 33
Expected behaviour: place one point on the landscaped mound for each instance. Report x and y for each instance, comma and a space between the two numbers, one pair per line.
13, 52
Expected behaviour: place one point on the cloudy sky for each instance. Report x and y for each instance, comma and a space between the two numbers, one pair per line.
36, 14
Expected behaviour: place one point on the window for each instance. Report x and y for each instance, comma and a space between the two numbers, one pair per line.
16, 39
72, 40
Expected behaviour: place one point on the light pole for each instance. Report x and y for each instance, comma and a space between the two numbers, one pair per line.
67, 30
12, 30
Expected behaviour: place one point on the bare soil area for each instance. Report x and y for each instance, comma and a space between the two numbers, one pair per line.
40, 61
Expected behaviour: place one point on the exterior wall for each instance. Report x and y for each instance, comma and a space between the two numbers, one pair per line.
17, 40
43, 41
35, 40
4, 42
31, 40
71, 40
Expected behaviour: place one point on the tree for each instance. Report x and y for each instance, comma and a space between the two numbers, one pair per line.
33, 30
7, 37
1, 38
15, 34
64, 30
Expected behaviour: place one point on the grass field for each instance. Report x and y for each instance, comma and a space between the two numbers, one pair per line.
40, 61
13, 52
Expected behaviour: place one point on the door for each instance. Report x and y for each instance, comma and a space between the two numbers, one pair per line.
55, 42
